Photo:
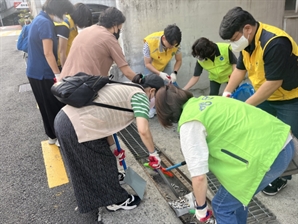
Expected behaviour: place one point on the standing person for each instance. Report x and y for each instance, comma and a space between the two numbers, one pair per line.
269, 55
244, 154
66, 31
42, 66
97, 47
216, 58
158, 50
82, 133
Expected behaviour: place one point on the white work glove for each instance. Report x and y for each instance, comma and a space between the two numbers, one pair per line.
226, 94
173, 77
154, 160
165, 76
204, 214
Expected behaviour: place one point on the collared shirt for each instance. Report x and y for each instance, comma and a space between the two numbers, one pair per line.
146, 49
42, 28
199, 69
276, 60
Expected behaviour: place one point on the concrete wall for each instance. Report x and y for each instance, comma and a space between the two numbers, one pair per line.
290, 26
196, 18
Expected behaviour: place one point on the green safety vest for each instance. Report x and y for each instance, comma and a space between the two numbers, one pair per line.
243, 141
220, 69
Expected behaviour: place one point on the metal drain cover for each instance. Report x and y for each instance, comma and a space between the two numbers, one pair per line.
25, 88
257, 212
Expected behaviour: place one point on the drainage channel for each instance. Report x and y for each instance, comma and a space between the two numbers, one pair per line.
181, 184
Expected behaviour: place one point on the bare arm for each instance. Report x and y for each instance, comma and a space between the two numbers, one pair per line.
264, 92
145, 134
199, 185
126, 70
236, 78
148, 65
62, 50
49, 55
178, 63
191, 82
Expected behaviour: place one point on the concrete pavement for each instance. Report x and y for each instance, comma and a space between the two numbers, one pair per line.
24, 192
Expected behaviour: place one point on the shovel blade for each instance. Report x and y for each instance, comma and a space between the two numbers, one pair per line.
137, 183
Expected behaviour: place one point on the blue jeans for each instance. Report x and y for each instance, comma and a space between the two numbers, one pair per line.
286, 111
228, 210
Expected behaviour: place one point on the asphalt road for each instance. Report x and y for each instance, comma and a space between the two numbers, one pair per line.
24, 193
25, 196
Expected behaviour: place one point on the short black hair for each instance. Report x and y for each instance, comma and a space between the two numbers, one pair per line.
111, 17
173, 34
203, 48
151, 80
235, 19
82, 15
58, 7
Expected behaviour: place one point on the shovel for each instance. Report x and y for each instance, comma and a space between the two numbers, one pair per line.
137, 183
176, 166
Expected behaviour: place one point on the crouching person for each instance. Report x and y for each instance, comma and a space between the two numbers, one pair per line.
82, 134
226, 136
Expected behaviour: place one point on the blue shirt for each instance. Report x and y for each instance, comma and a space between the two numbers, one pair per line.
42, 27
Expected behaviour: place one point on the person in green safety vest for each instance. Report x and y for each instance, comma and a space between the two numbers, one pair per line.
217, 59
268, 55
225, 136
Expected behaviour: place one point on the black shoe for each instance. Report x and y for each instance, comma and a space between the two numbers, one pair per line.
277, 185
131, 202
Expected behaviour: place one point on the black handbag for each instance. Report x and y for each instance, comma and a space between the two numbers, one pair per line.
81, 89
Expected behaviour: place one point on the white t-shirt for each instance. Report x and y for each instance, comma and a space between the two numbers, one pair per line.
194, 147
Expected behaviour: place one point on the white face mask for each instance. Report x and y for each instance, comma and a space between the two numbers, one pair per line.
240, 44
56, 19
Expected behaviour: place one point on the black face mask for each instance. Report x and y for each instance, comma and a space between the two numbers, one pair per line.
117, 34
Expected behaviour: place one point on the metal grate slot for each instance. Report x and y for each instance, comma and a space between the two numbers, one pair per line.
136, 147
257, 212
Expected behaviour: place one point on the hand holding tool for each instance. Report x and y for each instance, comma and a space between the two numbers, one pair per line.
168, 173
203, 214
154, 160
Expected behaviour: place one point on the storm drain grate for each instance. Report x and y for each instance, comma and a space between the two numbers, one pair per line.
131, 138
25, 88
257, 212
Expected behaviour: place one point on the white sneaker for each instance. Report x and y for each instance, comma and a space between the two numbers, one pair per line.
152, 112
131, 202
52, 141
57, 143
